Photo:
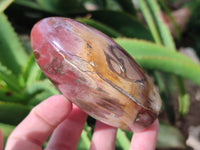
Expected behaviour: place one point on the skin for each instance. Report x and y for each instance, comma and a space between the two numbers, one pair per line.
1, 140
59, 117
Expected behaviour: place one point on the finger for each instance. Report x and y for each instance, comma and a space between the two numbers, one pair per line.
1, 140
32, 132
67, 134
145, 140
104, 137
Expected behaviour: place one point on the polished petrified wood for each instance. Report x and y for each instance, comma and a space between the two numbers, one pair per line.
95, 73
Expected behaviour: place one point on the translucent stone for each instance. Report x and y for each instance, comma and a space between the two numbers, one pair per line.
95, 73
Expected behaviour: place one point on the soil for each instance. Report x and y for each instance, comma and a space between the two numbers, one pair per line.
192, 118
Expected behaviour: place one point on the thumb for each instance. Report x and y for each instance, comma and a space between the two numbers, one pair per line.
1, 140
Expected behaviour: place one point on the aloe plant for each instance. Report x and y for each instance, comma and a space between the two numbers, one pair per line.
22, 84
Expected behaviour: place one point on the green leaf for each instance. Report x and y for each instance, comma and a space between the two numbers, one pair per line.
162, 35
38, 91
184, 104
85, 139
43, 85
101, 4
124, 23
166, 86
122, 140
8, 95
84, 142
169, 137
4, 4
61, 6
157, 57
39, 97
169, 14
31, 71
10, 89
155, 20
127, 6
183, 98
29, 4
99, 26
6, 131
150, 21
13, 55
10, 79
12, 113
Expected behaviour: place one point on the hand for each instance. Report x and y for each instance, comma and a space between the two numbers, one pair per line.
66, 121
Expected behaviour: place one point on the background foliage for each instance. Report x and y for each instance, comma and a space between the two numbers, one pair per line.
142, 28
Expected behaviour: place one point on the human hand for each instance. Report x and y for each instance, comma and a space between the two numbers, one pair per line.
66, 121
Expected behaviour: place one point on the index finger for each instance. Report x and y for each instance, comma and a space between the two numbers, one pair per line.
32, 132
145, 140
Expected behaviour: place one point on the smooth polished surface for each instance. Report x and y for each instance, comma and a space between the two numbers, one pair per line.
95, 73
